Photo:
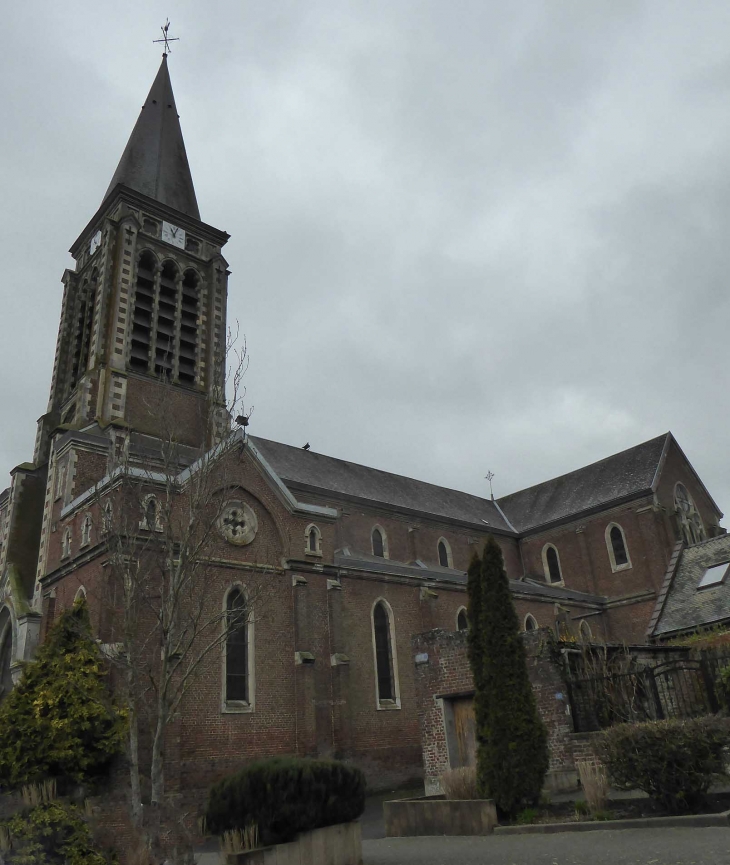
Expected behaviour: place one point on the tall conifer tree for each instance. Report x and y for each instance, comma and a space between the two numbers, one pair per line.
512, 755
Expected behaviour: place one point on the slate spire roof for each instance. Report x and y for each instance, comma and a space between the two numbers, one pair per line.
154, 161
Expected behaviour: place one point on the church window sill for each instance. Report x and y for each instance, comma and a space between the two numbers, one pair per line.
236, 707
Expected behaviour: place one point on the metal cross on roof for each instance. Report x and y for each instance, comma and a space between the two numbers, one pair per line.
166, 39
489, 477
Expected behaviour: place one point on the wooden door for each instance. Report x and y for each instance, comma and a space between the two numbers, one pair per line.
466, 732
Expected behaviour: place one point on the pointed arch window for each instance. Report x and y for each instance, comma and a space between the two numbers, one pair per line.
618, 550
165, 330
167, 302
313, 540
86, 531
691, 527
462, 623
585, 631
551, 564
237, 654
444, 553
530, 623
107, 517
380, 543
66, 543
386, 679
188, 327
86, 304
150, 521
144, 302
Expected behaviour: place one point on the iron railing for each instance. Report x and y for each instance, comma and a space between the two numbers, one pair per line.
683, 688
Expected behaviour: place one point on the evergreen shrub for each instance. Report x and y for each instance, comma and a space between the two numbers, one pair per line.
286, 795
674, 762
722, 687
60, 721
512, 753
50, 834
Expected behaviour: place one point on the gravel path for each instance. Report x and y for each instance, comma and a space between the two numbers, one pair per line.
709, 846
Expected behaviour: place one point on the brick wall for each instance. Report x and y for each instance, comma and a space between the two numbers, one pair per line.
442, 669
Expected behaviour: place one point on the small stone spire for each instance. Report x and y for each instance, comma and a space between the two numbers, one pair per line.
154, 161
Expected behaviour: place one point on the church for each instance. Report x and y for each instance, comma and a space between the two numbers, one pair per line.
356, 561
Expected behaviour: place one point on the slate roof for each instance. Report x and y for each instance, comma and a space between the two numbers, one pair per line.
313, 472
686, 606
154, 161
349, 558
614, 478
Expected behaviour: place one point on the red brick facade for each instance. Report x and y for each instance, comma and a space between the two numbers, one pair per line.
313, 668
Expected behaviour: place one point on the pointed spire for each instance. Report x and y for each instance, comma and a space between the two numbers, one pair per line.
154, 161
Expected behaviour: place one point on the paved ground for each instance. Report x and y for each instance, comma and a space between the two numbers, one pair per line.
629, 847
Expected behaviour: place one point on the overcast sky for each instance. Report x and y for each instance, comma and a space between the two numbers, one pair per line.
465, 236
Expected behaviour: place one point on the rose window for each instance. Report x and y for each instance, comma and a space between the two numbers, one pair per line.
238, 523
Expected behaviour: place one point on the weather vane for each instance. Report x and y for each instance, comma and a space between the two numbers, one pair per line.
166, 39
489, 476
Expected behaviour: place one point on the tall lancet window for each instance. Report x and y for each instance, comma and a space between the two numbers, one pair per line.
236, 648
690, 522
386, 677
144, 299
165, 332
188, 327
84, 327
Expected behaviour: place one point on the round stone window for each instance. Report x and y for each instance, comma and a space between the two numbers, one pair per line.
238, 523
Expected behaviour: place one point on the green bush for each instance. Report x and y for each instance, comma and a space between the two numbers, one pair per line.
286, 795
512, 754
673, 761
527, 816
60, 721
51, 834
722, 687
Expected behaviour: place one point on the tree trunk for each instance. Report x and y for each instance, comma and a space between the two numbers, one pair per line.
136, 791
157, 768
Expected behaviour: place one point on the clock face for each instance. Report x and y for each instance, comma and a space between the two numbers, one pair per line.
95, 243
173, 235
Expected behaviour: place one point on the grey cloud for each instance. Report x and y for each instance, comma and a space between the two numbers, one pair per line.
465, 236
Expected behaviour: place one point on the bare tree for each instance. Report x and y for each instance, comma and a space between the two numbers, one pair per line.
161, 512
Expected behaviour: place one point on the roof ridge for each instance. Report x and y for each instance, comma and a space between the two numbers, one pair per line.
380, 471
587, 466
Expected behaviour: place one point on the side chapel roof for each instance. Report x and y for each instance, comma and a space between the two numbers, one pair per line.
358, 560
686, 605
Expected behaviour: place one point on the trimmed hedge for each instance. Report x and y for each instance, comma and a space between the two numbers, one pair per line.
673, 761
286, 795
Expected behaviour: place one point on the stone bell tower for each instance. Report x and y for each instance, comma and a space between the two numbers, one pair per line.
143, 321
